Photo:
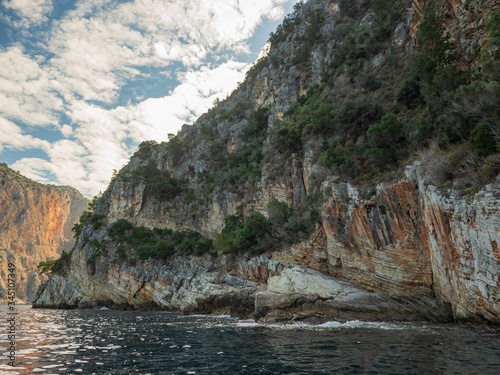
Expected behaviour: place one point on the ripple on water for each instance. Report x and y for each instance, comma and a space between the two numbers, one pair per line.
123, 342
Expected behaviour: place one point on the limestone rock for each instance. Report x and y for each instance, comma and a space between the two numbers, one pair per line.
35, 226
405, 250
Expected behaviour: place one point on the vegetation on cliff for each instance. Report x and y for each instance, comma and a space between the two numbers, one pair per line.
373, 109
156, 243
59, 265
35, 226
351, 94
256, 233
364, 133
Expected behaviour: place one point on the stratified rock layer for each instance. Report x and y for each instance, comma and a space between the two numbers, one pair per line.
406, 250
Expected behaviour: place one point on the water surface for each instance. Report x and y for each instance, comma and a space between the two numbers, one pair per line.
138, 342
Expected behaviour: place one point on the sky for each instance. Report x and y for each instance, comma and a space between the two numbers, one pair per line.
83, 83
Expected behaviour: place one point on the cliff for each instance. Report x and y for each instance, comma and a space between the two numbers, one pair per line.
35, 226
354, 174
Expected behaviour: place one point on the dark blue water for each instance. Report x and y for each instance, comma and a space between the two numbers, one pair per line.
134, 342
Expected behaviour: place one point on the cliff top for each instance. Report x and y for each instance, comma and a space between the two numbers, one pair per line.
16, 175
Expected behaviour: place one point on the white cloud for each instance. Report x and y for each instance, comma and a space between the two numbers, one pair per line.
96, 49
189, 100
30, 12
13, 137
98, 143
27, 92
100, 46
66, 130
95, 56
35, 168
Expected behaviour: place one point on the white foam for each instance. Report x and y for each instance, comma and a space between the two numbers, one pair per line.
327, 325
248, 323
360, 324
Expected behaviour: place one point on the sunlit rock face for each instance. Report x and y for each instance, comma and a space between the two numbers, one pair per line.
400, 249
35, 226
408, 252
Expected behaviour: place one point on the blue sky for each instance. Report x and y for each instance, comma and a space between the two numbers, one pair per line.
82, 83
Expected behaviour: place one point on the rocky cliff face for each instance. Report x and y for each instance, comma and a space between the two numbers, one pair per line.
402, 248
35, 226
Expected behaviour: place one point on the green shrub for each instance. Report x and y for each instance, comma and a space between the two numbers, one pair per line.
279, 212
238, 235
386, 134
434, 46
353, 50
491, 51
341, 158
287, 138
313, 33
167, 188
60, 263
55, 266
243, 164
470, 105
225, 241
447, 79
132, 262
384, 140
387, 14
349, 8
119, 228
157, 243
423, 130
354, 117
258, 124
84, 218
288, 24
175, 149
483, 140
256, 226
159, 184
94, 200
145, 149
46, 267
380, 157
493, 26
145, 251
257, 68
163, 250
408, 92
140, 235
122, 254
257, 234
371, 82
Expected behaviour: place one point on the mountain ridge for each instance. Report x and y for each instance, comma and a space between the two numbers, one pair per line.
308, 171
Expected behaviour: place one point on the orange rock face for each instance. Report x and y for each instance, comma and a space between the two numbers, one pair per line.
35, 226
429, 252
412, 243
377, 242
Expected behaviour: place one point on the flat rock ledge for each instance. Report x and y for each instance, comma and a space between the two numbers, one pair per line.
296, 294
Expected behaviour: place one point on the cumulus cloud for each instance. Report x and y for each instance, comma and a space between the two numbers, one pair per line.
27, 92
92, 52
29, 12
66, 130
13, 137
100, 45
35, 168
189, 100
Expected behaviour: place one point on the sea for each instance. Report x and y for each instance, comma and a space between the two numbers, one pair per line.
156, 342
